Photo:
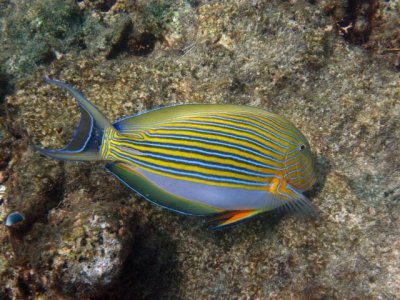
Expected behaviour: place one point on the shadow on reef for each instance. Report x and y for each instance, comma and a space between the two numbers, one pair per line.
150, 271
6, 85
322, 167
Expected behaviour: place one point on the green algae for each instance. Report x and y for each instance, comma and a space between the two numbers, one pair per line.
156, 15
39, 31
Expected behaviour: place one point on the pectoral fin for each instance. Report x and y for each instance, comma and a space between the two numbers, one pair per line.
234, 217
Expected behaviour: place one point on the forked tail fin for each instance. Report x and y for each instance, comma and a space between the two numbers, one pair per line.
88, 135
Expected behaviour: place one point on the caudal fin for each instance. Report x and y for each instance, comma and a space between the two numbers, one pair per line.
88, 135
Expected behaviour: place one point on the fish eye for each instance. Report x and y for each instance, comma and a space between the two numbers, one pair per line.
302, 147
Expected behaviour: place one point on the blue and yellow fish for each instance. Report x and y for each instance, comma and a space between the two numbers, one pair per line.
230, 161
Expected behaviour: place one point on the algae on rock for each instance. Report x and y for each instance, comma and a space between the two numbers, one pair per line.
37, 31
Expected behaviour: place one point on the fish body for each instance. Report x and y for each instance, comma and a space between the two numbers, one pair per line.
226, 160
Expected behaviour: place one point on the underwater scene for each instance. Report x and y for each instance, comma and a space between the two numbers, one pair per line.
194, 149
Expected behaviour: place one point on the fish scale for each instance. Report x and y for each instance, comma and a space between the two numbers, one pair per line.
193, 164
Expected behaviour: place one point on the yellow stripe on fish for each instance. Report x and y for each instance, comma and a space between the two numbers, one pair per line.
200, 159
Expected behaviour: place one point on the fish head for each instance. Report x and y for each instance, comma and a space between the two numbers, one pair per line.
300, 170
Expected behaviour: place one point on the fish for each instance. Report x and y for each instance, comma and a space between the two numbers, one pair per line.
228, 162
13, 218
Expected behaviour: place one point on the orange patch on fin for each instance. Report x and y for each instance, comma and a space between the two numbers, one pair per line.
233, 217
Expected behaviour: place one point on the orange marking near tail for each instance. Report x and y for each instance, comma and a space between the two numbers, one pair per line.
232, 217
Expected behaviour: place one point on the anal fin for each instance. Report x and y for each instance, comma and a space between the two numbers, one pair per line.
234, 217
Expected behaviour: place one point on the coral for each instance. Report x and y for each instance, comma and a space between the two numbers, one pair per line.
83, 252
112, 37
102, 5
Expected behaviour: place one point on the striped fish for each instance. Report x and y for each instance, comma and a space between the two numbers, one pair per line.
229, 161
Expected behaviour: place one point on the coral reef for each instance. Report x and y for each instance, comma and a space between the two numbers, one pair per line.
85, 235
